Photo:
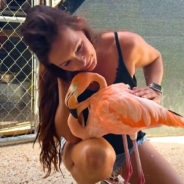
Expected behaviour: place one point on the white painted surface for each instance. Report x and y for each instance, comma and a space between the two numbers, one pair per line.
178, 139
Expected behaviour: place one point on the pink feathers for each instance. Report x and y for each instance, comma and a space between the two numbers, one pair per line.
113, 109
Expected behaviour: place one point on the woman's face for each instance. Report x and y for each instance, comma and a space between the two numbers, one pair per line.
72, 51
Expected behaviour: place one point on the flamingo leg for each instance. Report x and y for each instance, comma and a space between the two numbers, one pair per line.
129, 169
113, 182
141, 179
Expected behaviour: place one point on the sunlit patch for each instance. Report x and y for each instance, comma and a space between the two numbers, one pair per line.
71, 98
73, 87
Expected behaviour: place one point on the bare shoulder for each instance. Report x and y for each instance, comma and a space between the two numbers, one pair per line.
136, 50
107, 38
133, 40
126, 38
130, 39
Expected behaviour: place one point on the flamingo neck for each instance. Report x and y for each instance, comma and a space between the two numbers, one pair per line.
82, 105
100, 80
76, 128
102, 84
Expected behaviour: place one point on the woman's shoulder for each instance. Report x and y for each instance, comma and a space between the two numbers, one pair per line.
125, 37
129, 38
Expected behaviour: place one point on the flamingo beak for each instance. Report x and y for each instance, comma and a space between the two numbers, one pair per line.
71, 103
71, 100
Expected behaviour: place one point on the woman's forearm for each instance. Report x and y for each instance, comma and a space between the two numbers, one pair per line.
154, 71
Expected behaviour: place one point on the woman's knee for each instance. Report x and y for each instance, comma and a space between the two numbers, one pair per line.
99, 155
94, 154
92, 159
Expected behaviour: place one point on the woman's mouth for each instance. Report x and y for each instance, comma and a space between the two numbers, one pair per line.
91, 65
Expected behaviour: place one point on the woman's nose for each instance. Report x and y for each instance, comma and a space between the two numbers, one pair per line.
80, 59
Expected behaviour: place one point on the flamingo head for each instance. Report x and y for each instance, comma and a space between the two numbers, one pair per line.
79, 84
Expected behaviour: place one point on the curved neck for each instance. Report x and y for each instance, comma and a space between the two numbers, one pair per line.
82, 106
85, 78
100, 80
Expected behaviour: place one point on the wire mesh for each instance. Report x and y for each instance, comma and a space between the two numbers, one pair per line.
17, 72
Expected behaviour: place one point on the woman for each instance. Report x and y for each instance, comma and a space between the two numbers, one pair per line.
65, 45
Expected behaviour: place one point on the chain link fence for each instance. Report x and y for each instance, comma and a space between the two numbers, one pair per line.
18, 72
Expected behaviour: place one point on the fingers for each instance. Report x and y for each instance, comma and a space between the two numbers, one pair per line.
143, 92
147, 93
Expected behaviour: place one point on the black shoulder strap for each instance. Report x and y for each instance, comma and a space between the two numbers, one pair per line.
118, 45
122, 73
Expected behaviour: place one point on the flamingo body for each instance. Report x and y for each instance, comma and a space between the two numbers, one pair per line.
113, 109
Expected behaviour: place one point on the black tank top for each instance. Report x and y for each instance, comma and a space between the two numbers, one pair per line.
124, 76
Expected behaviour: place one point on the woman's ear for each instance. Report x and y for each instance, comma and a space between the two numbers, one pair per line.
80, 20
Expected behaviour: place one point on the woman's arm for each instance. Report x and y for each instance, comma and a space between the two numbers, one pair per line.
139, 54
149, 59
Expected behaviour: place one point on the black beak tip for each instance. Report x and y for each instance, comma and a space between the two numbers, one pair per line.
74, 113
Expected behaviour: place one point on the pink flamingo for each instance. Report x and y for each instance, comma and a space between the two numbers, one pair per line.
113, 109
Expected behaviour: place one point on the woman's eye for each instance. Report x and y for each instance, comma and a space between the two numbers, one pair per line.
79, 48
67, 63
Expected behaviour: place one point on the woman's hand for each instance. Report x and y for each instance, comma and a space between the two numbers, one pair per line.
148, 93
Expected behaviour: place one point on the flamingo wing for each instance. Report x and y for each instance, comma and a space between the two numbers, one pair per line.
117, 105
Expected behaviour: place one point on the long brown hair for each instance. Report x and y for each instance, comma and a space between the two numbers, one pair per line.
40, 29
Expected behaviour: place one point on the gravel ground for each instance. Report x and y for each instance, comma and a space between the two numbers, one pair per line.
20, 164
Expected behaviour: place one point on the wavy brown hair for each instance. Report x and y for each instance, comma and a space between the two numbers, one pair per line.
41, 28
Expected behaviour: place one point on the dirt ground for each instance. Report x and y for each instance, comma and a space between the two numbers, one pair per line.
19, 164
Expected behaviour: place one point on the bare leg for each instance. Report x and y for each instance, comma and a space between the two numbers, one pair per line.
89, 161
141, 179
129, 169
156, 169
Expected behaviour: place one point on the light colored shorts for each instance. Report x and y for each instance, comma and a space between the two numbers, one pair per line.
62, 142
120, 158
